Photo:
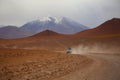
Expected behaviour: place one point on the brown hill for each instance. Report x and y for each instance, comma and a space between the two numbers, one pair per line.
46, 33
109, 28
43, 40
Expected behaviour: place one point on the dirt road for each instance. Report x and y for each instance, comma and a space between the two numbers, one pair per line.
104, 67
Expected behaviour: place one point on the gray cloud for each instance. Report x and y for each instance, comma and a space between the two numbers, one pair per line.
88, 12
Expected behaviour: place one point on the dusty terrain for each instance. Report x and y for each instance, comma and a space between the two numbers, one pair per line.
20, 64
38, 65
104, 67
46, 59
96, 55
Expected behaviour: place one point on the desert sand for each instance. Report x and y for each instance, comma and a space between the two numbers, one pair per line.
22, 64
36, 60
38, 65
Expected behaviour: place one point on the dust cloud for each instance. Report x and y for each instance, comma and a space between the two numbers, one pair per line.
95, 48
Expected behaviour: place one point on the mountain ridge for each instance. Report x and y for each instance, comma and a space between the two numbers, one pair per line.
12, 32
110, 27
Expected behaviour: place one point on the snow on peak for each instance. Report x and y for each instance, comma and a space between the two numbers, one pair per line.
49, 18
45, 19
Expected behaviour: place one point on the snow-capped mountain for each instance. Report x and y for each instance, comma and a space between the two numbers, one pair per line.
62, 25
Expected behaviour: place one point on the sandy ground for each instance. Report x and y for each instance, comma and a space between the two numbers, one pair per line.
18, 64
104, 67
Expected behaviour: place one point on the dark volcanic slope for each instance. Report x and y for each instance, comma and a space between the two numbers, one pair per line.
111, 27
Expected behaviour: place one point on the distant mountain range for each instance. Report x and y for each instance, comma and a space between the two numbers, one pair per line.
11, 32
63, 26
52, 26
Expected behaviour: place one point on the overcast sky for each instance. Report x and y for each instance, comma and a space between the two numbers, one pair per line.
87, 12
